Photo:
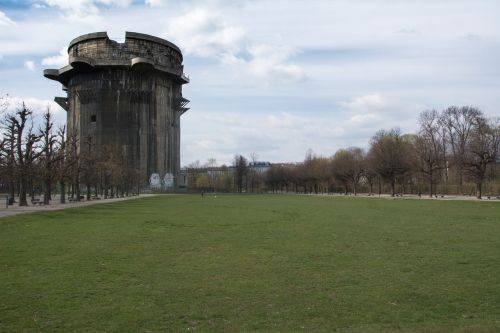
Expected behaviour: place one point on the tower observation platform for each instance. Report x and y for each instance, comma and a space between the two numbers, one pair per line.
126, 99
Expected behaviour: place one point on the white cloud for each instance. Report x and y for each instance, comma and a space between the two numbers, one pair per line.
407, 31
59, 60
372, 112
276, 137
270, 61
156, 3
78, 9
207, 3
225, 134
472, 37
202, 33
365, 103
5, 21
286, 136
29, 64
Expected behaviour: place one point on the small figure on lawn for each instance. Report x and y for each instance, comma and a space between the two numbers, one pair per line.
202, 193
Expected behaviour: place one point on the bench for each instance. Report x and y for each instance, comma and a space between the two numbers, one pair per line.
36, 202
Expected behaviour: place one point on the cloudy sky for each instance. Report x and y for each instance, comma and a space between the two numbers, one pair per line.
277, 78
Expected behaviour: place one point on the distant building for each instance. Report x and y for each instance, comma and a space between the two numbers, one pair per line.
260, 167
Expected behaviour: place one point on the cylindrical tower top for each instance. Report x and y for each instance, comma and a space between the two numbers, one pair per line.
128, 34
139, 51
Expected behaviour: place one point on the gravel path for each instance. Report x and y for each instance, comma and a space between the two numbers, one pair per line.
410, 196
56, 205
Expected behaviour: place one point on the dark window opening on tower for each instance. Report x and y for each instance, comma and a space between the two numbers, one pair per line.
93, 118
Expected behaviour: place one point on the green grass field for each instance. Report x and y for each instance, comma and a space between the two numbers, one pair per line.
253, 263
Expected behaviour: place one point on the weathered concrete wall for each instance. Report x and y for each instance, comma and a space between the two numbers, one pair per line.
126, 98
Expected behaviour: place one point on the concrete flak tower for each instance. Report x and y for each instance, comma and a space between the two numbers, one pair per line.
126, 98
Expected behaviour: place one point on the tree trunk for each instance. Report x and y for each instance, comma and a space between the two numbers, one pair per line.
379, 186
354, 189
430, 188
46, 193
431, 183
393, 187
22, 192
479, 189
31, 188
77, 190
460, 183
12, 187
89, 188
62, 189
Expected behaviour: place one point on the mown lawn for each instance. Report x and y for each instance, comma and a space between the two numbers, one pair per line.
253, 263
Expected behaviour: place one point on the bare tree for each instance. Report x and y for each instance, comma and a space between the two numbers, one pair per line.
9, 155
281, 177
241, 169
73, 161
481, 150
26, 152
459, 123
312, 172
111, 166
49, 156
369, 172
88, 165
62, 165
348, 167
272, 178
428, 147
253, 175
211, 163
193, 171
389, 151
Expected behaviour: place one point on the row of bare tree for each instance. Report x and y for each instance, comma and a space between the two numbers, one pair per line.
454, 147
34, 159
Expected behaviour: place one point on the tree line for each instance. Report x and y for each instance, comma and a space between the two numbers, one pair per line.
453, 148
454, 151
44, 159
